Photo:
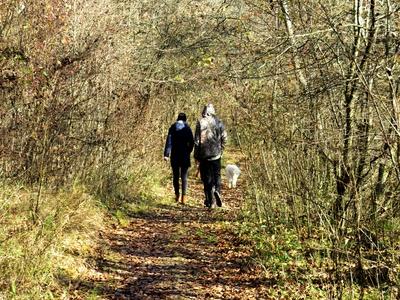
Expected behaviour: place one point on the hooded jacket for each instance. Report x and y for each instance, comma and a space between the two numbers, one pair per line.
210, 136
179, 144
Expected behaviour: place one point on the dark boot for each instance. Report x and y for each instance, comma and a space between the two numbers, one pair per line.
217, 196
208, 202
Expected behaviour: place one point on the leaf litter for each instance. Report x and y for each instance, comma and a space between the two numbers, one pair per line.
173, 251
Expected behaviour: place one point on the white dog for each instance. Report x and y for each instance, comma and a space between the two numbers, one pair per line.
232, 175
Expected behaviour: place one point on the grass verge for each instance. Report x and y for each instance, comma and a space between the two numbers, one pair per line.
38, 259
303, 267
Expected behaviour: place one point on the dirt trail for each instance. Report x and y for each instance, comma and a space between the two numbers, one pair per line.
170, 251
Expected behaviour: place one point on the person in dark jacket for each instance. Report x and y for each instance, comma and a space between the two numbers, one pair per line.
210, 139
178, 147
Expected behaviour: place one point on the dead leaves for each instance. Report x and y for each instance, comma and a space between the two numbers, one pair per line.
175, 252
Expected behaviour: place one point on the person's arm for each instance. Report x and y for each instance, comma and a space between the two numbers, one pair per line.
196, 153
168, 145
224, 135
191, 140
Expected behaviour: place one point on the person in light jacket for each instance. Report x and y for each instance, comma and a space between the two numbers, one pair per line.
209, 142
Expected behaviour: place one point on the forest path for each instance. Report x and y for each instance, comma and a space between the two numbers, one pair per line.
171, 251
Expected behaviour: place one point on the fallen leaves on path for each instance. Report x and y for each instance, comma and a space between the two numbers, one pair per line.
172, 251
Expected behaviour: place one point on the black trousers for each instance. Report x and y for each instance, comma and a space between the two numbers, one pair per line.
210, 172
182, 173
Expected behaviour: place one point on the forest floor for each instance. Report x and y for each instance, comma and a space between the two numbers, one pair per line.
165, 250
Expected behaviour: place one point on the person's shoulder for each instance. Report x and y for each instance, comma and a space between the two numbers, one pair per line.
218, 119
172, 127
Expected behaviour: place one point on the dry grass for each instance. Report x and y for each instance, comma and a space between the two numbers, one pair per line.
34, 256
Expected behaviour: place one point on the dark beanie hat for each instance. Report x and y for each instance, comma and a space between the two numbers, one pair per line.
182, 117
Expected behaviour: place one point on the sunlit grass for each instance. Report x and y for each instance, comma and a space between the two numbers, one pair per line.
34, 255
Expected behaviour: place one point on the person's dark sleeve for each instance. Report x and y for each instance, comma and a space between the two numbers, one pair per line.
191, 140
168, 144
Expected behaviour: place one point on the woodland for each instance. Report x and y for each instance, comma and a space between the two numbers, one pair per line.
307, 89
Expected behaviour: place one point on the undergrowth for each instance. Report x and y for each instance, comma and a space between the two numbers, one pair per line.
301, 266
40, 256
